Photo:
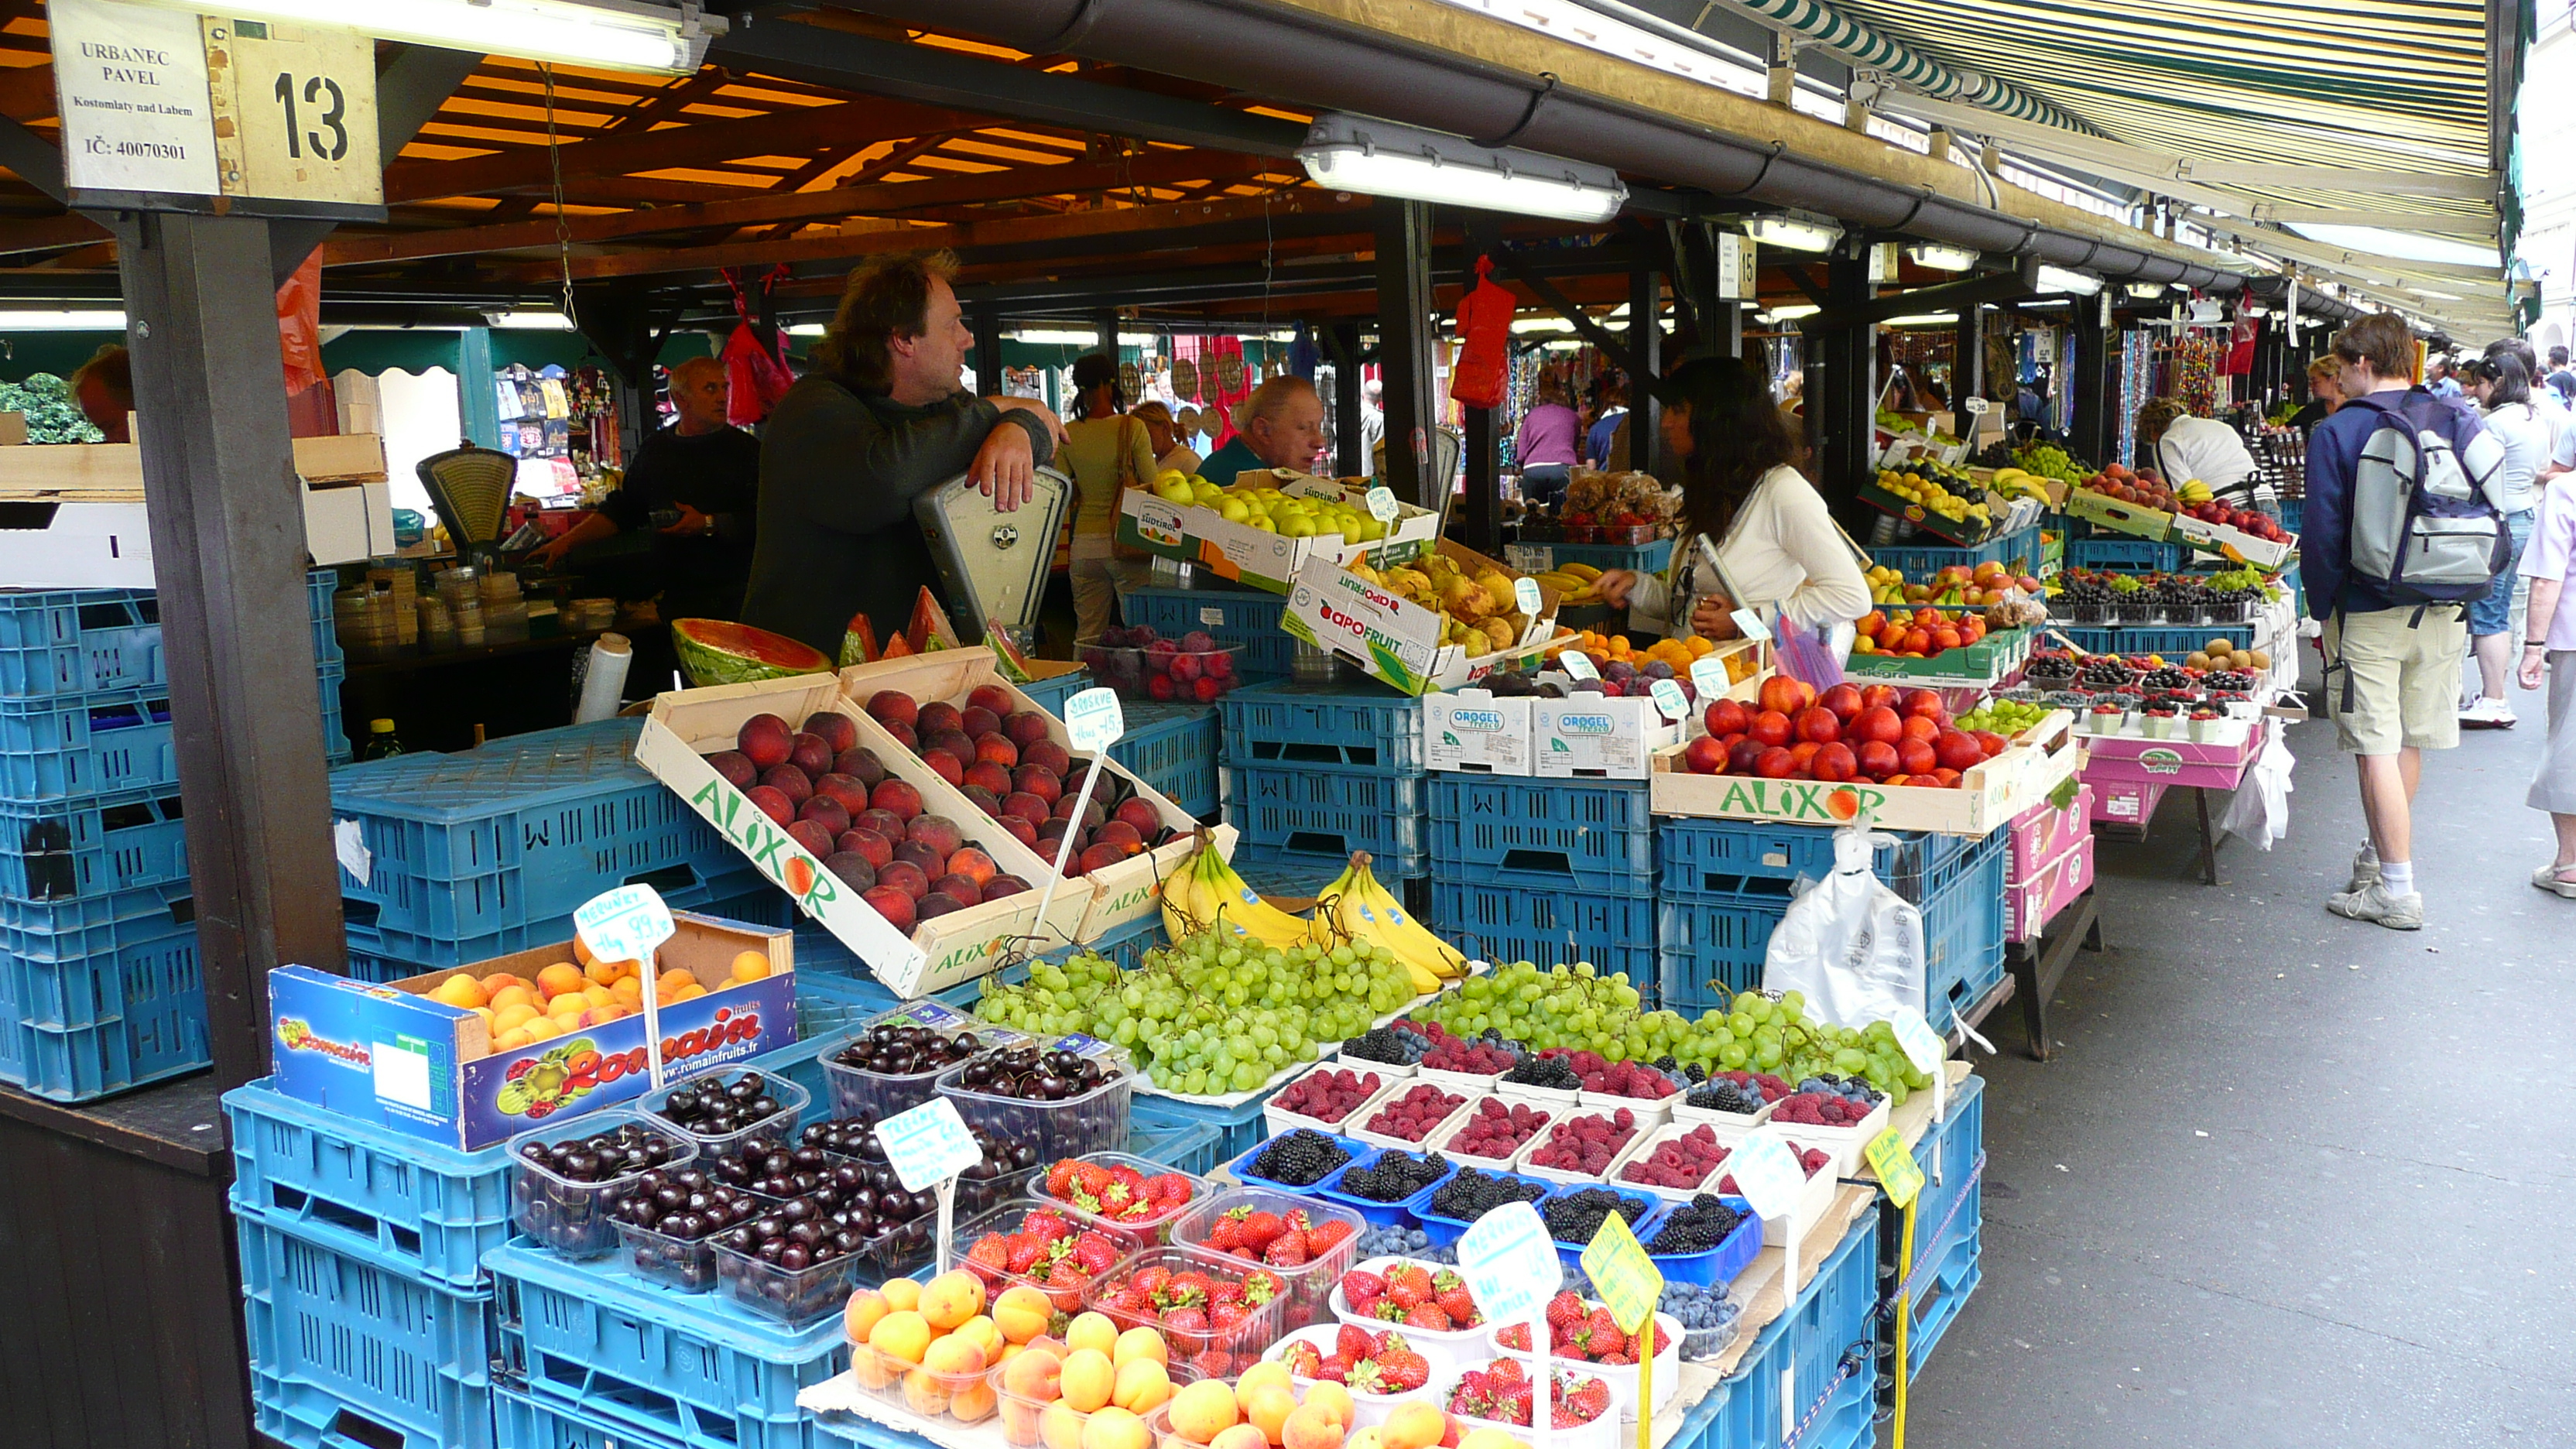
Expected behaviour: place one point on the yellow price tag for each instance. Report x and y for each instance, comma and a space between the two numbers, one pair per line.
1894, 1163
1627, 1280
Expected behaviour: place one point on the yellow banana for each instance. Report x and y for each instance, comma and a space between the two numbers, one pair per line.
1366, 909
1244, 911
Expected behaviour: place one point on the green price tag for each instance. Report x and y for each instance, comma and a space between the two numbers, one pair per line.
1622, 1274
1894, 1163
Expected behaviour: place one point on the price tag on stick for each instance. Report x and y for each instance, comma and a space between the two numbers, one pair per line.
1511, 1270
1668, 699
1898, 1173
927, 1145
1630, 1285
1769, 1176
1928, 1052
1577, 665
1094, 722
629, 924
1525, 593
1708, 672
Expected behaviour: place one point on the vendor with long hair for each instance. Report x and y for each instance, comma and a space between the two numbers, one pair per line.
1777, 550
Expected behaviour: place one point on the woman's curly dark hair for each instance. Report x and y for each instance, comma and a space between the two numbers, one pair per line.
1737, 435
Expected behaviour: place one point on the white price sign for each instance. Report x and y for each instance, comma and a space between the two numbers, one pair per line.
1914, 1036
1577, 665
1668, 699
1525, 593
1750, 625
626, 924
1767, 1173
1709, 673
1509, 1263
1093, 719
1382, 505
928, 1144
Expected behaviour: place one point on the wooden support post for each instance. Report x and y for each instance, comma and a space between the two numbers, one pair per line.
988, 353
1407, 328
1968, 365
1842, 384
2092, 429
1105, 323
1646, 345
227, 519
1350, 451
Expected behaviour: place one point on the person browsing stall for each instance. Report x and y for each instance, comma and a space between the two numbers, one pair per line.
2182, 447
1280, 426
701, 477
1172, 453
880, 422
2503, 391
1778, 549
1106, 452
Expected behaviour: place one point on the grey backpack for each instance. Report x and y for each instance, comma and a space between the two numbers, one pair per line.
2424, 530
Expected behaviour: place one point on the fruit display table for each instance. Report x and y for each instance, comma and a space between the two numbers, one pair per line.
2132, 776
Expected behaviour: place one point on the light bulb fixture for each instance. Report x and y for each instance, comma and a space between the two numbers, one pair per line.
1794, 231
1941, 258
1053, 337
62, 320
1527, 325
2059, 279
1381, 158
1790, 313
609, 34
2144, 291
529, 321
807, 329
1921, 319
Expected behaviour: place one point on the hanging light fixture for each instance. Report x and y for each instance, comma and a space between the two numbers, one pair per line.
1381, 158
1941, 258
1795, 231
2145, 291
2059, 279
609, 34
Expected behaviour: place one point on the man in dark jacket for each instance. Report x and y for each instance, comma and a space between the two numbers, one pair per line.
879, 423
696, 484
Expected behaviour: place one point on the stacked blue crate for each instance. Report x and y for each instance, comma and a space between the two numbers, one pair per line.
1551, 871
1314, 772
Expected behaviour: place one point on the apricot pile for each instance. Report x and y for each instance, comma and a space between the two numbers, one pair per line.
570, 996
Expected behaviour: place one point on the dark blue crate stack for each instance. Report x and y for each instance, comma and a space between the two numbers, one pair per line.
2118, 553
1246, 621
99, 983
1314, 772
488, 851
1725, 885
1949, 1223
1174, 748
2173, 641
1821, 1350
1551, 871
2022, 550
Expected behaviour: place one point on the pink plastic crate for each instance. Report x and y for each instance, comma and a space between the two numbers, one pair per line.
2033, 903
2125, 802
2043, 833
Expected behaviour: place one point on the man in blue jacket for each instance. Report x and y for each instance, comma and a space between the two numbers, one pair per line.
2392, 671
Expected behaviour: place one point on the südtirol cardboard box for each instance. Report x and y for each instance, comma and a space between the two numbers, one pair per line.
1256, 557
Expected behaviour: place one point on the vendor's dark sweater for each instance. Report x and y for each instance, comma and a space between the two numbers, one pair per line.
839, 471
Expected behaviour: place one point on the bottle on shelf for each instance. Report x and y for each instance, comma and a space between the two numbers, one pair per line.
381, 742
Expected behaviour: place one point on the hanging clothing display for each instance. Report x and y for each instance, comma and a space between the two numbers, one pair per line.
2137, 384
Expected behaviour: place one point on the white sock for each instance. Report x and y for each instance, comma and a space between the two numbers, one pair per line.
2398, 876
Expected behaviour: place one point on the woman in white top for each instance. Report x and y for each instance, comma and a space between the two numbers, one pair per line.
2502, 387
1776, 544
1171, 455
2181, 447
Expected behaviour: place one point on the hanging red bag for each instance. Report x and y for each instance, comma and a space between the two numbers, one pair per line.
1478, 377
757, 374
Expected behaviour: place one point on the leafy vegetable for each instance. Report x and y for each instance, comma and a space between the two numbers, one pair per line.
52, 416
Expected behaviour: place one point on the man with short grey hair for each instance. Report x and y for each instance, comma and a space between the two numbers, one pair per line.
695, 483
1282, 426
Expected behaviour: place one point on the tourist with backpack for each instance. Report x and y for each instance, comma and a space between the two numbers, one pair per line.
2404, 531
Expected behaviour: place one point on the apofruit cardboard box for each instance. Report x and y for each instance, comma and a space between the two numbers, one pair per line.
1118, 894
393, 1056
1248, 555
1987, 796
688, 725
1396, 640
1476, 732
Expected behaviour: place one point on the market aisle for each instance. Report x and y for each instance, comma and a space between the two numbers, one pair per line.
2288, 1182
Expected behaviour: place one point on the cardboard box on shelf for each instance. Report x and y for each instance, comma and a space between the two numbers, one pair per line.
1475, 732
1987, 796
1248, 555
394, 1056
1396, 640
685, 726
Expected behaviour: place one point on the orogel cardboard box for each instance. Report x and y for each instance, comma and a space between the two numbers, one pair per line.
688, 725
1476, 732
1586, 736
391, 1055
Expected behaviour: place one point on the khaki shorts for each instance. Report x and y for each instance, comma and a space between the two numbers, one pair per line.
2403, 682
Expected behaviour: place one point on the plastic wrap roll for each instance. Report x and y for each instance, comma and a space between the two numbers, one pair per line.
603, 679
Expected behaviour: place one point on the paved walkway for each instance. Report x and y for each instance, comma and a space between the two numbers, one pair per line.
2292, 1180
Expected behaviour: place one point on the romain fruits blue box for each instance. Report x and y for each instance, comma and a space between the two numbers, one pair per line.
390, 1055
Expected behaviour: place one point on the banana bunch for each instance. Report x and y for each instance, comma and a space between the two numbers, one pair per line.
1357, 907
1572, 582
2193, 493
1206, 892
2017, 483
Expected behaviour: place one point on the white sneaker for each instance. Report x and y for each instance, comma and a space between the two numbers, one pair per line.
2488, 714
2547, 878
2365, 870
2397, 913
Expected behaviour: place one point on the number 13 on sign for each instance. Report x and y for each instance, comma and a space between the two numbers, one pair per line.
295, 111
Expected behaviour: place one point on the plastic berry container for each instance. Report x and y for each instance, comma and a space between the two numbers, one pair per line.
1445, 1348
1712, 1266
1160, 676
1239, 1343
1280, 1119
685, 1265
1096, 1121
1129, 1233
1377, 1214
1006, 1219
792, 1296
969, 1397
1241, 1169
1310, 1284
1648, 1205
792, 1101
569, 1216
860, 1095
1444, 1230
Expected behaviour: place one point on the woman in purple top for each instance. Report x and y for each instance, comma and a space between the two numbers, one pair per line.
1545, 447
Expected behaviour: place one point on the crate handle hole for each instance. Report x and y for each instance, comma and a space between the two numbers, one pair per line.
357, 1428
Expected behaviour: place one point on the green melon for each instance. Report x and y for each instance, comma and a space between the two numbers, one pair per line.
715, 651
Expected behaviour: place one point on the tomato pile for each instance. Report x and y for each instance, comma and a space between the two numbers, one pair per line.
1880, 733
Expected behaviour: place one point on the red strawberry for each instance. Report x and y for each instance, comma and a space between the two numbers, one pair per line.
1218, 1363
1168, 1187
1225, 1317
1260, 1227
1296, 1221
1402, 1369
1563, 1312
1459, 1305
1225, 1233
1327, 1237
1046, 1223
991, 1251
1288, 1250
1353, 1341
1095, 1252
1261, 1286
1359, 1284
1187, 1286
1025, 1250
1428, 1315
1059, 1178
1336, 1368
1304, 1360
1152, 1279
1589, 1400
1187, 1329
1605, 1329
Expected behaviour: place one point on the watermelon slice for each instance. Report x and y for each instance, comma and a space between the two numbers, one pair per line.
715, 651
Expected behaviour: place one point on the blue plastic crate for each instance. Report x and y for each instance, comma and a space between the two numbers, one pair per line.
109, 1023
1296, 810
69, 642
1949, 1219
348, 1346
686, 1368
1561, 928
88, 925
2174, 642
523, 829
1239, 1128
77, 747
13, 1037
1322, 726
1191, 1149
86, 977
1736, 860
343, 1182
336, 749
1050, 694
1549, 835
2019, 549
1825, 1345
1644, 558
405, 953
2294, 512
1247, 621
2123, 555
85, 849
522, 1422
1173, 748
1709, 949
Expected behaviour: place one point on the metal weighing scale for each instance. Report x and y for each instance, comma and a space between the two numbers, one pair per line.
994, 565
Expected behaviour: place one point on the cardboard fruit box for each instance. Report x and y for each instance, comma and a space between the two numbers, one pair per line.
688, 725
1964, 532
394, 1056
1987, 796
2129, 518
1252, 556
1586, 736
1984, 664
1119, 894
1397, 641
2233, 543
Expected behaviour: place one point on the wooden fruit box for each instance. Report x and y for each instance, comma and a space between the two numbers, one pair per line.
1987, 797
1963, 531
2129, 518
688, 725
1120, 894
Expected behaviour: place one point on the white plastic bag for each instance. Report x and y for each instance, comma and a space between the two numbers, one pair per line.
1854, 947
2260, 810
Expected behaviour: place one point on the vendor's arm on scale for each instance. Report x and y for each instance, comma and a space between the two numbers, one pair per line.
880, 422
1282, 426
676, 464
1737, 455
